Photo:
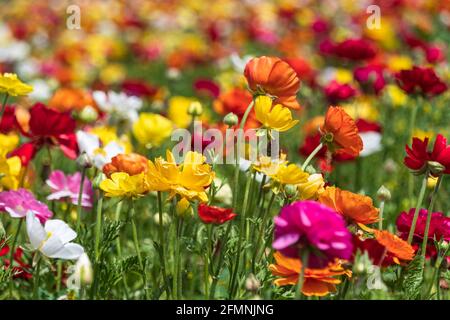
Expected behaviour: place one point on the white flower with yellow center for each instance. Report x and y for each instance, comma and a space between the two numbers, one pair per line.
90, 144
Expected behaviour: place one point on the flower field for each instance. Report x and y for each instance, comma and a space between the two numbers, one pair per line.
184, 150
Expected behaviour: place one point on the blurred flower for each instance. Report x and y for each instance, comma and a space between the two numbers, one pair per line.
355, 208
68, 186
273, 117
340, 134
121, 184
370, 77
118, 105
272, 76
214, 215
10, 172
18, 202
312, 188
370, 133
337, 92
397, 97
139, 88
351, 49
420, 80
419, 159
178, 111
131, 163
236, 101
70, 99
51, 128
184, 208
152, 128
304, 224
11, 85
317, 282
89, 144
280, 171
21, 270
83, 270
54, 239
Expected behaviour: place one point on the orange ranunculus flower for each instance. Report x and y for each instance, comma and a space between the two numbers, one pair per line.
318, 282
236, 100
131, 163
273, 76
68, 99
340, 133
354, 207
396, 247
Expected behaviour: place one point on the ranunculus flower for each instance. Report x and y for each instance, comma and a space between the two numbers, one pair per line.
138, 88
271, 116
305, 224
420, 80
370, 133
214, 215
68, 186
18, 203
11, 85
418, 157
54, 239
439, 225
68, 99
355, 208
20, 269
152, 128
351, 49
131, 163
340, 133
207, 86
370, 77
48, 127
317, 282
273, 76
121, 184
337, 92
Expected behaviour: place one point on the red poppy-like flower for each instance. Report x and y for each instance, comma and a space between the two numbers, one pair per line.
207, 86
337, 92
8, 121
273, 76
20, 270
214, 215
439, 225
420, 80
419, 159
370, 77
351, 49
303, 68
138, 88
48, 127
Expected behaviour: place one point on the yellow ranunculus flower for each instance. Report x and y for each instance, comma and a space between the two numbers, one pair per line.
11, 84
280, 171
122, 184
8, 142
10, 172
109, 134
278, 117
311, 189
178, 111
397, 63
397, 96
188, 179
152, 128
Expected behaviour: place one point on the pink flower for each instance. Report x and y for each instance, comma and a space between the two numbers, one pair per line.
439, 225
309, 225
68, 186
337, 92
17, 203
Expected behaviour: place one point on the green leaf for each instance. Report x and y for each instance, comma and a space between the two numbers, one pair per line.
413, 277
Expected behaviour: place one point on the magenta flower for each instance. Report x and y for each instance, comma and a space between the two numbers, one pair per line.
68, 186
439, 225
18, 202
309, 225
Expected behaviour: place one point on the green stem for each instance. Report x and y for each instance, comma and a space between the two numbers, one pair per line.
241, 238
11, 255
301, 277
98, 227
429, 214
119, 247
138, 249
220, 263
161, 245
312, 155
380, 222
5, 99
418, 205
80, 197
36, 278
207, 259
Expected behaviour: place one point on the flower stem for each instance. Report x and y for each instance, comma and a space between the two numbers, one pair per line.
98, 227
380, 222
312, 155
256, 257
208, 259
418, 205
301, 278
5, 99
11, 255
36, 278
138, 249
161, 245
219, 265
429, 214
80, 197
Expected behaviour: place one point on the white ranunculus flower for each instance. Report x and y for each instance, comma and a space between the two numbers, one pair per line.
371, 143
118, 105
54, 239
90, 144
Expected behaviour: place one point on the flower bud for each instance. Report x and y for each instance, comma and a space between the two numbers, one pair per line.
251, 283
83, 161
88, 114
310, 169
195, 109
290, 190
165, 219
184, 208
98, 179
444, 246
384, 194
436, 168
83, 270
231, 119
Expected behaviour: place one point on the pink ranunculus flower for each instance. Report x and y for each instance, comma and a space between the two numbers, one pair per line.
309, 225
18, 202
68, 186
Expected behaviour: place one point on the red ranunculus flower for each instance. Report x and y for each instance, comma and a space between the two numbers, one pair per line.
139, 88
21, 269
207, 87
351, 49
418, 157
439, 225
337, 92
420, 80
48, 127
215, 215
8, 121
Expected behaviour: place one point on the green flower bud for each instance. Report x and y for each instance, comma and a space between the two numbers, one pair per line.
195, 109
436, 168
97, 180
83, 161
88, 114
231, 119
384, 194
